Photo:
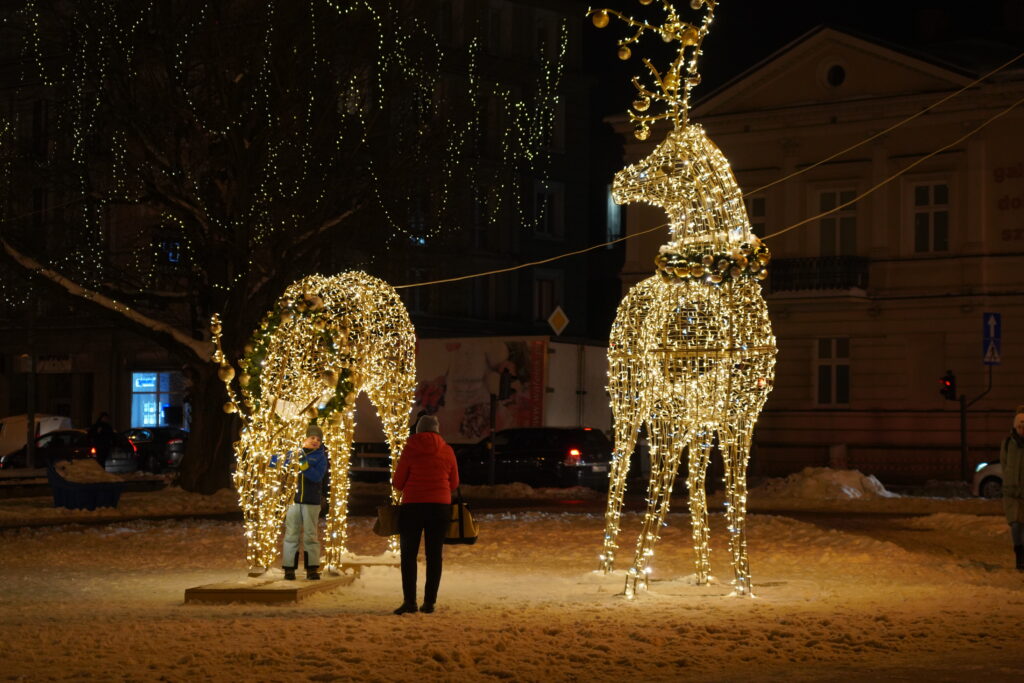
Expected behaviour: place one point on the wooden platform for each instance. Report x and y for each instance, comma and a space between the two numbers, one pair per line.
274, 589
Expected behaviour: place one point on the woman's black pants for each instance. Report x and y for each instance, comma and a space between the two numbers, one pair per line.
428, 520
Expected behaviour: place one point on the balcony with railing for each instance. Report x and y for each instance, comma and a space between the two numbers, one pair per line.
821, 275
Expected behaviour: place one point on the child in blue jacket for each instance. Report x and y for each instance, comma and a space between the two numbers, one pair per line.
303, 515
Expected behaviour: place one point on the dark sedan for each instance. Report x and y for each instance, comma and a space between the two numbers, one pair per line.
72, 444
540, 456
160, 448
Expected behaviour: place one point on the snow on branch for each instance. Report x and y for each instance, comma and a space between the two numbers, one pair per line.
202, 349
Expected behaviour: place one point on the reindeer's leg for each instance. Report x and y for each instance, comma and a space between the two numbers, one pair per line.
338, 437
394, 416
666, 448
626, 425
699, 452
736, 454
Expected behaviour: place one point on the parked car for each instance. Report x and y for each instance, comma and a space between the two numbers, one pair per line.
160, 448
71, 444
14, 429
540, 456
988, 480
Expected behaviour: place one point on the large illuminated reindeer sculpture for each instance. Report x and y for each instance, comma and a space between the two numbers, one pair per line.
691, 352
326, 340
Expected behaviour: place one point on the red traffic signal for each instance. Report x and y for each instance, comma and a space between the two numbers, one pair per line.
947, 386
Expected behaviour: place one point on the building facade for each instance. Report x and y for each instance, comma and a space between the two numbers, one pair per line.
874, 299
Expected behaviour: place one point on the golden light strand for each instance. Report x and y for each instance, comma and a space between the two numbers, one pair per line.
691, 354
327, 340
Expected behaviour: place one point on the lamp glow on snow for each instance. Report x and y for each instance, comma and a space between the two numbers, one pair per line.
326, 340
691, 353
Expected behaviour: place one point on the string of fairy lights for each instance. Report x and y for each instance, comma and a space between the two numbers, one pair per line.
410, 61
691, 354
326, 340
143, 259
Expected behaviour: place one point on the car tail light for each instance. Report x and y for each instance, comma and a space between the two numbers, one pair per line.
172, 442
135, 449
572, 457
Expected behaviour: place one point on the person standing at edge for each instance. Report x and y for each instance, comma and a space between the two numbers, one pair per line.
1011, 455
426, 475
303, 515
101, 435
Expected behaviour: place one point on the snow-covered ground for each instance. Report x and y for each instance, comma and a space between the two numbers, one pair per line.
839, 595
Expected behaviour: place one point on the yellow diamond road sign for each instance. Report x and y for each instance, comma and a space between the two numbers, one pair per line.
558, 320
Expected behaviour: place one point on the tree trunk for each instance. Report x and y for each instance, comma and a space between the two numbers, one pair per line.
206, 467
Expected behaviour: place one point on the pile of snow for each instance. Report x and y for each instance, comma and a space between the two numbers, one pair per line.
84, 471
823, 483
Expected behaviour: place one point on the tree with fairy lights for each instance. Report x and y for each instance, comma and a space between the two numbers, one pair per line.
205, 155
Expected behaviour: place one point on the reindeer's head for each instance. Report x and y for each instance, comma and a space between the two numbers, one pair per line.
690, 178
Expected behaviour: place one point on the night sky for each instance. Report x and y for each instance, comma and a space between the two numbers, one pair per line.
981, 33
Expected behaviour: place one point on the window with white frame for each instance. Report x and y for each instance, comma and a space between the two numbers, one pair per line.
613, 217
756, 213
838, 230
931, 217
158, 399
833, 371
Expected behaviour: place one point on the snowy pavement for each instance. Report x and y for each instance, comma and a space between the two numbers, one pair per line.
839, 596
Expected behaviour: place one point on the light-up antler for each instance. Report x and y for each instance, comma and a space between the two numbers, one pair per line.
672, 87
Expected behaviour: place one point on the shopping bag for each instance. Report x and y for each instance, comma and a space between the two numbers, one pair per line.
387, 520
462, 529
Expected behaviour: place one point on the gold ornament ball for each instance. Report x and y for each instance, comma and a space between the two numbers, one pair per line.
642, 133
696, 4
248, 349
601, 19
707, 259
641, 105
216, 328
230, 407
320, 324
690, 36
645, 2
244, 379
625, 53
286, 316
226, 373
330, 378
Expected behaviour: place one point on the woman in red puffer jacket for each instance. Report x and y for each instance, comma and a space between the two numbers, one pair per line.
426, 475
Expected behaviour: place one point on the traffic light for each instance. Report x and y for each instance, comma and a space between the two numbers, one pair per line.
947, 386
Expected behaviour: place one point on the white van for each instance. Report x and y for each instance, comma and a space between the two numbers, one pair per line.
13, 429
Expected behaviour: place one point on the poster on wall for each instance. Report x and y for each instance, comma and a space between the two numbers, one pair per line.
456, 377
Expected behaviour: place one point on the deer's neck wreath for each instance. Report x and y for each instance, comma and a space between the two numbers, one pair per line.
326, 340
691, 352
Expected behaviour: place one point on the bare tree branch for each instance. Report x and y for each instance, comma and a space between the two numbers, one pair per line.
203, 350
